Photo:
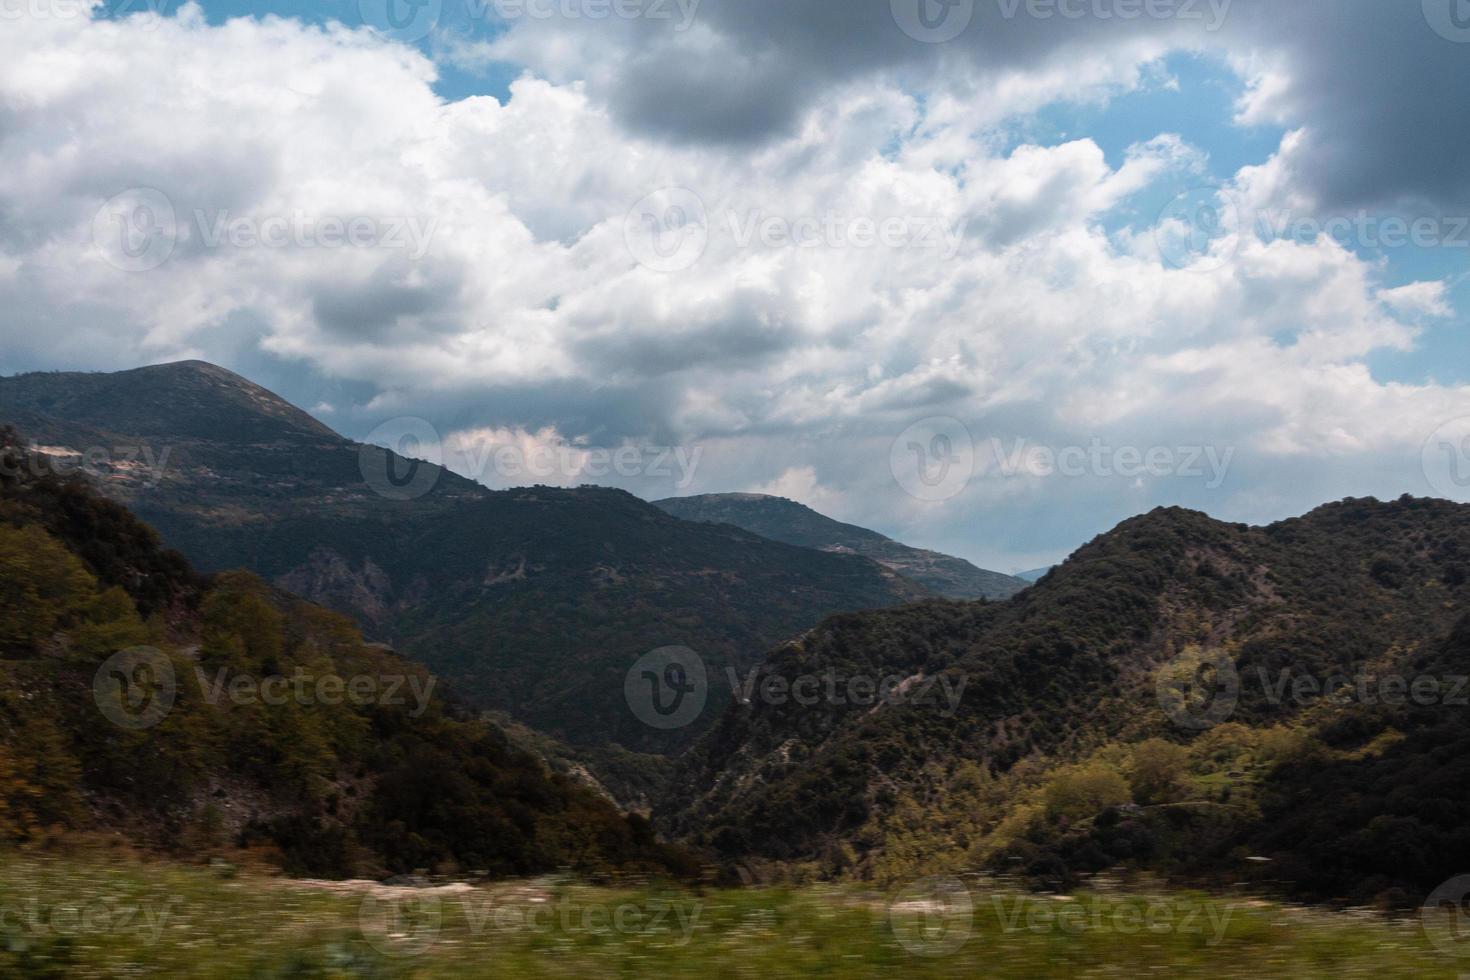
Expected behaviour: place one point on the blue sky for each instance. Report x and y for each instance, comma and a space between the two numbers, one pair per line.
665, 233
1193, 94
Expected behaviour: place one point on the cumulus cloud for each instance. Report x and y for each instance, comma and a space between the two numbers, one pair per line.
1360, 72
782, 236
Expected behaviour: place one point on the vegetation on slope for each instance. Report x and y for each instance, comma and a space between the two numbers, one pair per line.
1062, 758
286, 733
534, 601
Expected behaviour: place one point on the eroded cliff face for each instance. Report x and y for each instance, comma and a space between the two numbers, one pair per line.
361, 589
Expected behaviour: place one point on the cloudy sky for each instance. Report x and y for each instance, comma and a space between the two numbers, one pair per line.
987, 275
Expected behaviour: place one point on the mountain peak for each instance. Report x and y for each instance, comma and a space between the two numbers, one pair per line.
195, 367
183, 399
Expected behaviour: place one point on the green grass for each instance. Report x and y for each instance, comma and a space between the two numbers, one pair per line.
68, 916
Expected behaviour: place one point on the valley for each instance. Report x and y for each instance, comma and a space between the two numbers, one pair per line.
1185, 702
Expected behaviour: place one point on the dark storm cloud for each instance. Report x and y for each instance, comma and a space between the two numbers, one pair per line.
373, 310
749, 333
1383, 86
1385, 97
773, 57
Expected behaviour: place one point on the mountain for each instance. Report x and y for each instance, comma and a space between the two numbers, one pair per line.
212, 716
1181, 695
785, 520
187, 400
1035, 575
535, 601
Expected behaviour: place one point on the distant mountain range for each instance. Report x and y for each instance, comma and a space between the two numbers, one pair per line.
786, 520
1035, 575
533, 601
1283, 706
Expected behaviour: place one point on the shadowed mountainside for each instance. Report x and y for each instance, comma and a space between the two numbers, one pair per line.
208, 715
1082, 735
792, 523
532, 601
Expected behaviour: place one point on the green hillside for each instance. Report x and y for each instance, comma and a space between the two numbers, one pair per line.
1069, 750
535, 601
220, 716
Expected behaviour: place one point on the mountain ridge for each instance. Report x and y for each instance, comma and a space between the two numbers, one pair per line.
788, 521
533, 601
1064, 702
93, 399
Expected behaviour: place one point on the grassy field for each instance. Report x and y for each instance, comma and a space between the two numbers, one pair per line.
101, 917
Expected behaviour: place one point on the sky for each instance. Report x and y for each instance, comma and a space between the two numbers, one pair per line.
988, 276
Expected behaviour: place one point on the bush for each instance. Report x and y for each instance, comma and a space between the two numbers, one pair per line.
1157, 771
1083, 792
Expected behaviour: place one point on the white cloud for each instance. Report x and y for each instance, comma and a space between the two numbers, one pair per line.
800, 483
1425, 298
793, 362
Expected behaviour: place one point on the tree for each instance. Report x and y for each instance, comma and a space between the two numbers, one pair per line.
41, 587
1084, 791
1157, 771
